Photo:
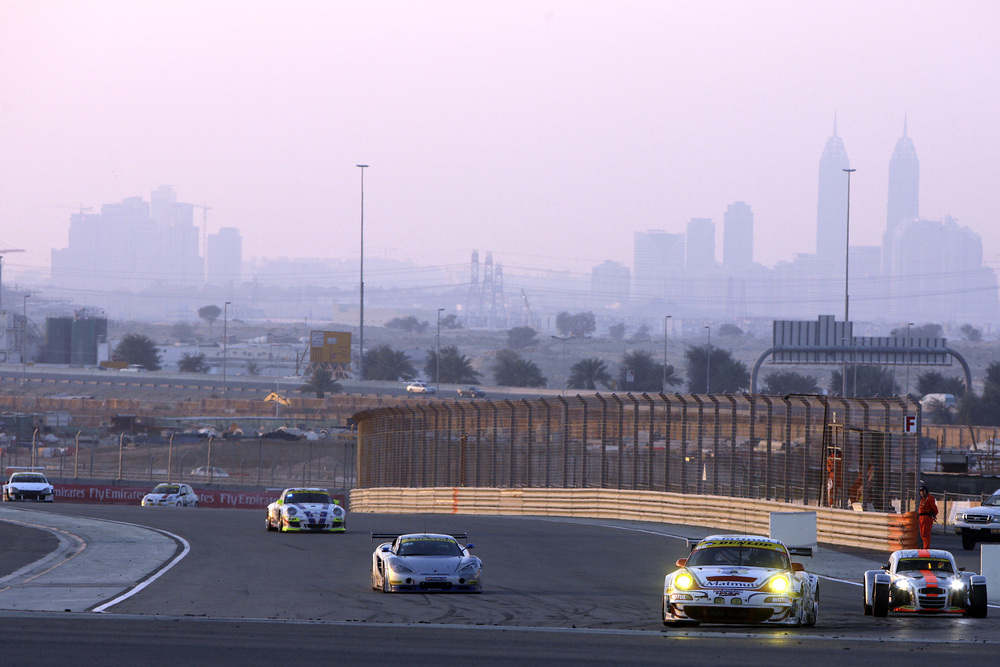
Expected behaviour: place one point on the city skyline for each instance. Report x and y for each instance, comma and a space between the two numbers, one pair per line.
547, 134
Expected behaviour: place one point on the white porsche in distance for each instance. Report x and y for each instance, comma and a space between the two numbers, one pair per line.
170, 495
306, 510
741, 579
31, 485
425, 562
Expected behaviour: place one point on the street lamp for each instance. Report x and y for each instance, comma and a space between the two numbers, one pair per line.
24, 336
847, 265
437, 356
361, 328
908, 325
666, 327
708, 360
225, 347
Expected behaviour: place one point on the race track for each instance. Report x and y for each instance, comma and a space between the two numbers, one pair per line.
557, 591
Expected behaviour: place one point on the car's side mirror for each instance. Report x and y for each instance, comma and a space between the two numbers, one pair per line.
886, 567
798, 567
681, 562
469, 545
961, 569
386, 548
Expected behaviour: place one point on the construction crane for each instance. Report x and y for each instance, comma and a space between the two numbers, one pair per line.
527, 308
2, 253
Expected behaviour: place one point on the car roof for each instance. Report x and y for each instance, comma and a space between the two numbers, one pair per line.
740, 540
427, 536
923, 553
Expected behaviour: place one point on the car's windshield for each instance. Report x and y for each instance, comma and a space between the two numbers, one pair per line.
428, 547
309, 497
917, 564
992, 501
28, 478
740, 556
167, 489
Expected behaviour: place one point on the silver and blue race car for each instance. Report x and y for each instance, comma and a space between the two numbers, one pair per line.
425, 562
924, 581
306, 510
740, 579
170, 495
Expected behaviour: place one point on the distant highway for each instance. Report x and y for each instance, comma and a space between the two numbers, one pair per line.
70, 381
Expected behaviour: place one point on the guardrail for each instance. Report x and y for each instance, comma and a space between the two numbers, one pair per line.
867, 530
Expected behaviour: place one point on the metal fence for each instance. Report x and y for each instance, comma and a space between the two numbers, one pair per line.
328, 462
812, 450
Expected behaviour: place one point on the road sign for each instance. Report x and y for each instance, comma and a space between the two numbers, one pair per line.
909, 423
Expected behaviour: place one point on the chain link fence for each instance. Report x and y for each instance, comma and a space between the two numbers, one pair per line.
812, 450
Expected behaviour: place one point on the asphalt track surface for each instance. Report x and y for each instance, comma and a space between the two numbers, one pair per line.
211, 586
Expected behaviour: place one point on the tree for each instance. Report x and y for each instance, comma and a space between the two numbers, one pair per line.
971, 333
182, 331
408, 324
723, 374
642, 333
253, 368
781, 383
578, 325
192, 363
209, 314
384, 363
934, 382
616, 331
983, 410
455, 367
138, 349
511, 370
321, 382
647, 374
519, 338
451, 321
922, 331
726, 330
588, 373
865, 380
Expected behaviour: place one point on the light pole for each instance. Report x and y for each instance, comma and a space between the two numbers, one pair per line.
361, 328
24, 336
847, 266
708, 360
437, 356
666, 328
225, 347
908, 325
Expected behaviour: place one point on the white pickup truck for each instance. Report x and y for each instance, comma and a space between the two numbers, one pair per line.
979, 524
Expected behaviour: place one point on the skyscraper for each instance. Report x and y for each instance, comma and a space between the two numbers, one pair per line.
904, 192
737, 237
831, 208
700, 251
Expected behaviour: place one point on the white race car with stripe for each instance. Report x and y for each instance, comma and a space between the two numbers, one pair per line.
740, 579
171, 495
306, 510
924, 581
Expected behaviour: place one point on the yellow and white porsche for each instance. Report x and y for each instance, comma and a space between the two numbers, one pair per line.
740, 579
306, 510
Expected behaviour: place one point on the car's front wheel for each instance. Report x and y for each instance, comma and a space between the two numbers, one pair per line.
267, 521
977, 602
880, 600
968, 540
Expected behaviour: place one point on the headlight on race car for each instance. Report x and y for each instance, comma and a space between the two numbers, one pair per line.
291, 511
396, 566
468, 569
957, 584
337, 511
12, 489
778, 584
900, 584
684, 581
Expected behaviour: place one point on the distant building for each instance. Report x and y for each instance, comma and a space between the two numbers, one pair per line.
831, 203
131, 245
658, 259
609, 283
225, 258
737, 237
700, 245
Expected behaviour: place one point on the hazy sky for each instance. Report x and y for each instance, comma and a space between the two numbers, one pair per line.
547, 132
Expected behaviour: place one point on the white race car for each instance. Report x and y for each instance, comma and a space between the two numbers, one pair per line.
924, 581
28, 486
307, 510
424, 562
170, 495
740, 579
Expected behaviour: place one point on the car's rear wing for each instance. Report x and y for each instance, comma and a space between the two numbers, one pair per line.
392, 536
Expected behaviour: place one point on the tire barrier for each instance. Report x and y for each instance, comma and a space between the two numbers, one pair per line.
866, 530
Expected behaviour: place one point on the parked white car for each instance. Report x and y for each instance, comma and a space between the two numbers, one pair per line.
207, 471
170, 495
979, 524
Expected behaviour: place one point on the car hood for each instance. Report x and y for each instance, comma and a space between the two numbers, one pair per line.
312, 507
435, 564
730, 576
160, 496
30, 486
919, 579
